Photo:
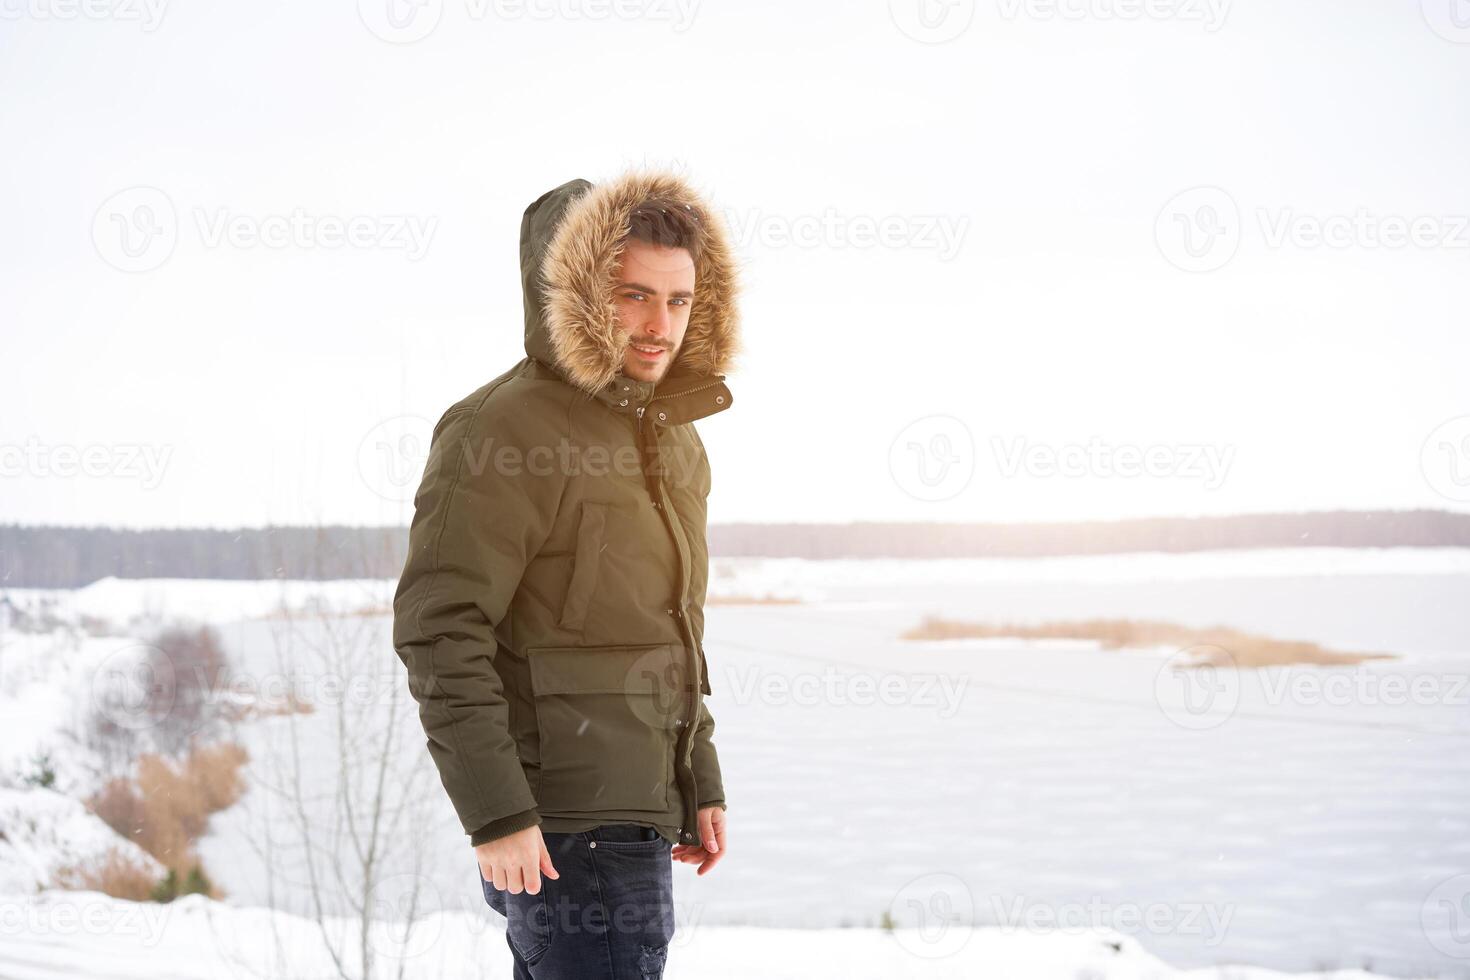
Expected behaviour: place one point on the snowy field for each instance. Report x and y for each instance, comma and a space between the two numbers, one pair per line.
1089, 813
87, 935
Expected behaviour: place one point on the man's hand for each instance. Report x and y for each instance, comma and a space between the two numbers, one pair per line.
712, 841
516, 861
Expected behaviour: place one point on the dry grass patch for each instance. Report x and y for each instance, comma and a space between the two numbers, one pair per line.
1244, 649
166, 809
117, 874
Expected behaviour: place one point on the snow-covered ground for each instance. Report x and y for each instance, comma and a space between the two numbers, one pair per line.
65, 936
1294, 819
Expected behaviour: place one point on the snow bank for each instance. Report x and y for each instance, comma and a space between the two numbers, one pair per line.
157, 600
43, 831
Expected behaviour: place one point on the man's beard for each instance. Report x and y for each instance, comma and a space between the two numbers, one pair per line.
648, 372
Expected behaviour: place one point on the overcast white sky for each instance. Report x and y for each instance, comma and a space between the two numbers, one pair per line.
1049, 281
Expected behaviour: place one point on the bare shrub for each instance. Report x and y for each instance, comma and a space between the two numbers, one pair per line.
195, 660
114, 746
338, 801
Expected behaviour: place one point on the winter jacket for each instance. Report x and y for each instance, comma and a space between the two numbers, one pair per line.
550, 613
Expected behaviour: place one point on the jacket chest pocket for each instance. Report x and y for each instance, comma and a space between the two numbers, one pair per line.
607, 718
586, 565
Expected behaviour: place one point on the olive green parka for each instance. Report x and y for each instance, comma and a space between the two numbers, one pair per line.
550, 613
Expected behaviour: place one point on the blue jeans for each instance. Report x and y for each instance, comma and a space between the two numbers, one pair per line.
610, 916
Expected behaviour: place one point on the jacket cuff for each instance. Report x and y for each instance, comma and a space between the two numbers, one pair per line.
504, 827
718, 803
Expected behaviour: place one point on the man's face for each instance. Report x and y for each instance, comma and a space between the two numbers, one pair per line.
653, 291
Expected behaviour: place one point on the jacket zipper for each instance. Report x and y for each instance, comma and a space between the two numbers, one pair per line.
676, 394
691, 807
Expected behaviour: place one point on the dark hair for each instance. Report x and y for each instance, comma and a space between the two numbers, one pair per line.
666, 223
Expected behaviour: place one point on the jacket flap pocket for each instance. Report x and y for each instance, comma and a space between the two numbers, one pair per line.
608, 719
646, 669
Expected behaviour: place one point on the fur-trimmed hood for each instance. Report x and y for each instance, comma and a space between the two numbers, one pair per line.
571, 239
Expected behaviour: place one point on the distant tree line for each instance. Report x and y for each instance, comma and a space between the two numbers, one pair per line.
47, 556
1324, 529
67, 557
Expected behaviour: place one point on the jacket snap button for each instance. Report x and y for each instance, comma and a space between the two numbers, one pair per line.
662, 416
719, 399
669, 611
592, 843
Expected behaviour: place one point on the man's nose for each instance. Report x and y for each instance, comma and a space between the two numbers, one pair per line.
659, 324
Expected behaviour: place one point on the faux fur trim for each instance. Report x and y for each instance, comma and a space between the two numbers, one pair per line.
577, 282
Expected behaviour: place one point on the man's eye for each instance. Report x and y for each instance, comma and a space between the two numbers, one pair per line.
680, 300
633, 296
